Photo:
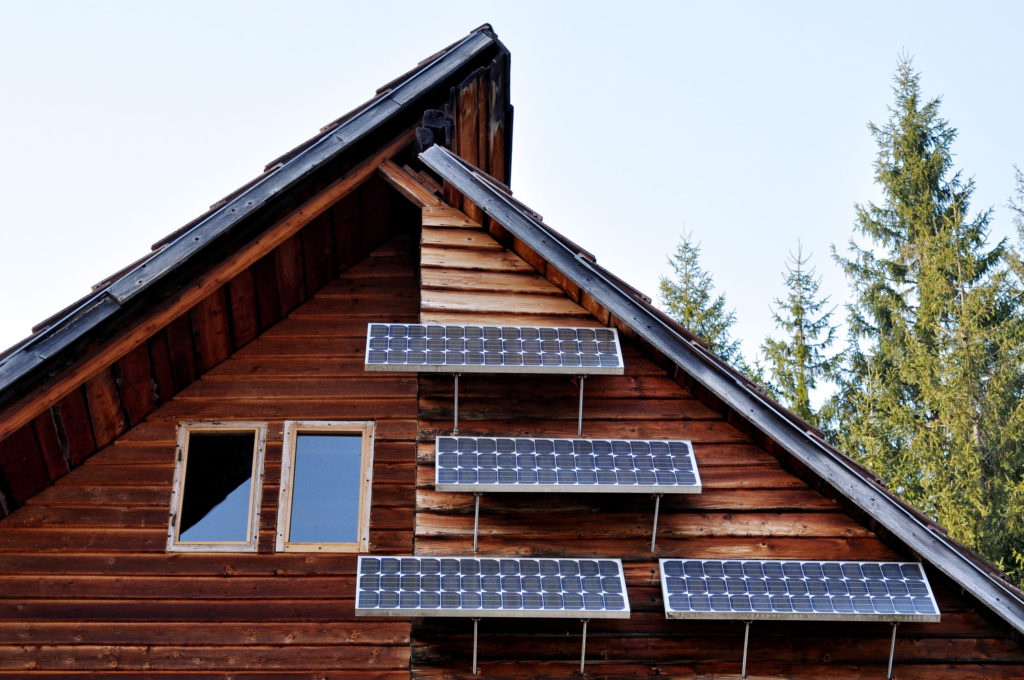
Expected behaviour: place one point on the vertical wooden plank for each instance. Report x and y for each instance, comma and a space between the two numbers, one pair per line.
71, 416
348, 237
316, 254
135, 384
289, 274
376, 221
245, 323
499, 114
160, 363
468, 136
268, 305
212, 330
108, 419
182, 350
22, 463
54, 453
483, 100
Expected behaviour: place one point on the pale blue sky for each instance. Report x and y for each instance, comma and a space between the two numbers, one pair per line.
742, 122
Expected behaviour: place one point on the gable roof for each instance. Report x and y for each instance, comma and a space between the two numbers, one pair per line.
798, 439
60, 339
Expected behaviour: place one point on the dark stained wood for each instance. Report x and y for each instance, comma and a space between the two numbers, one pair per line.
54, 453
134, 377
74, 427
317, 254
182, 351
245, 321
211, 326
289, 274
108, 419
160, 364
21, 461
267, 300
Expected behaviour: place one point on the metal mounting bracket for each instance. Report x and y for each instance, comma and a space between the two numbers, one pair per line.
455, 429
654, 529
746, 640
579, 420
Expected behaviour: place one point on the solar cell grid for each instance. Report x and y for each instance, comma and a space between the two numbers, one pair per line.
814, 590
491, 349
572, 465
480, 587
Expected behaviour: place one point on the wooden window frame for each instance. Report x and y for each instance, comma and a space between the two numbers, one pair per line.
292, 428
178, 489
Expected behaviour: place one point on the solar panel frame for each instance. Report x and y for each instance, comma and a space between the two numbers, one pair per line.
751, 615
526, 446
558, 332
614, 584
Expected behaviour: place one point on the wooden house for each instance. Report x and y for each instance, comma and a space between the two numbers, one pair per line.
242, 338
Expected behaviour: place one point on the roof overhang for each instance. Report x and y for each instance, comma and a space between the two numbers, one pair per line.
63, 339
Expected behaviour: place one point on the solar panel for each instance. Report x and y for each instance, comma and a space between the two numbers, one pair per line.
492, 349
490, 464
806, 590
478, 587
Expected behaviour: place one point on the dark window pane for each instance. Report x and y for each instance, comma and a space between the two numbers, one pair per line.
325, 488
218, 482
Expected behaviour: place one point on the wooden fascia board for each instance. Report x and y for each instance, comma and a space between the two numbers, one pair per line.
22, 411
830, 466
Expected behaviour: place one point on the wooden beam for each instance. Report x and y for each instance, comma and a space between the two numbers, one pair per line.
408, 186
25, 409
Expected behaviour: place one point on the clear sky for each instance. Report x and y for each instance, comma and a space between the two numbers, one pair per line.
741, 122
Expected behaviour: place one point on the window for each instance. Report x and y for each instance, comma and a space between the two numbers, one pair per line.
325, 487
218, 476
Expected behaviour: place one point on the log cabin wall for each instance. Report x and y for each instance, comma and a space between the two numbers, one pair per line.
751, 507
86, 584
90, 416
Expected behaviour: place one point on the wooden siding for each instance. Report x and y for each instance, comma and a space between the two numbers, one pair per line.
86, 585
751, 507
60, 437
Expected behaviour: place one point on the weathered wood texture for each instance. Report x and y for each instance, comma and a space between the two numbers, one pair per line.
751, 507
85, 582
480, 108
60, 437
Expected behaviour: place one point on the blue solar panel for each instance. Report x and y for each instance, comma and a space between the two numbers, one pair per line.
495, 464
792, 589
492, 349
476, 587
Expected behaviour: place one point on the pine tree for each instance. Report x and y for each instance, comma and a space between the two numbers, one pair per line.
931, 393
798, 362
687, 298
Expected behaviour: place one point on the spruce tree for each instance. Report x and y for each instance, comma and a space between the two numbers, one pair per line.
688, 297
797, 363
931, 393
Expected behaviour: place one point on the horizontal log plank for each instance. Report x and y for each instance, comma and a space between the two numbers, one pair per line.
445, 301
513, 282
364, 632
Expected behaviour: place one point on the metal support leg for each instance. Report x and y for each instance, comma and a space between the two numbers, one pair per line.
476, 623
746, 639
455, 430
654, 530
892, 651
583, 647
476, 520
579, 426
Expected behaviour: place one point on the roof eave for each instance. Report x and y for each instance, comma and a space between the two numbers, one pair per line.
36, 356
